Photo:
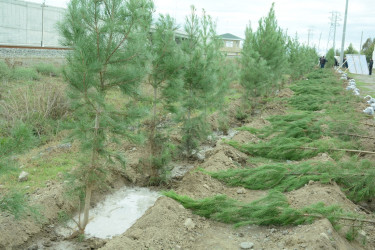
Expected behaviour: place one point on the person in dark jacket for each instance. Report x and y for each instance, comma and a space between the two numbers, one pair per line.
345, 63
322, 61
370, 65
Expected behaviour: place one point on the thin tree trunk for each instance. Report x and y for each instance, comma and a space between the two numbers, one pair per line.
86, 209
89, 185
152, 133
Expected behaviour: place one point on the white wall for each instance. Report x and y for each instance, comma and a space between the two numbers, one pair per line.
21, 23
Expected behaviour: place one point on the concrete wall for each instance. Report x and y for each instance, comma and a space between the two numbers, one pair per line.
21, 23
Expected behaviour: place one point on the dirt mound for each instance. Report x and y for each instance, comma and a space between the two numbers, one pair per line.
167, 225
317, 192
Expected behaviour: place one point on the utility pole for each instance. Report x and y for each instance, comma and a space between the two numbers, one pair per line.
360, 45
343, 34
43, 5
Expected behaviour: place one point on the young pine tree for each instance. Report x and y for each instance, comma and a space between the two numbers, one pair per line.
109, 41
165, 79
255, 73
201, 86
269, 45
301, 58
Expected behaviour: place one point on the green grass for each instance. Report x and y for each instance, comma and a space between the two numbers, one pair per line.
25, 74
47, 69
40, 171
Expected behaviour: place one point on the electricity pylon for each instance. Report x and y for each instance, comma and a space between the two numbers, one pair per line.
335, 18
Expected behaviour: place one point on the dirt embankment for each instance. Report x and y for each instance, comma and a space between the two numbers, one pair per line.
168, 225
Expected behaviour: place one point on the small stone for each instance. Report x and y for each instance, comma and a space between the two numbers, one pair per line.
47, 244
246, 245
272, 230
324, 235
23, 176
329, 232
206, 186
241, 191
65, 146
189, 224
33, 247
311, 182
324, 155
178, 247
362, 236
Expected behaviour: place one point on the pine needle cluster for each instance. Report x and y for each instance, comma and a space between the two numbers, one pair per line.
305, 133
273, 209
354, 176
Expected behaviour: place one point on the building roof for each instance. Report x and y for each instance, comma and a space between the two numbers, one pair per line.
228, 36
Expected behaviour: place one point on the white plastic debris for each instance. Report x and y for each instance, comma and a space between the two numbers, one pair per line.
369, 111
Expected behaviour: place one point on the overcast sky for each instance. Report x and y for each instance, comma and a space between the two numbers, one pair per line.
299, 16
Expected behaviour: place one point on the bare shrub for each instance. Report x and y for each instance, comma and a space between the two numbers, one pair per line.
34, 104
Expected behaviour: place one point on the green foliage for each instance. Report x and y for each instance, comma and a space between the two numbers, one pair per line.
354, 176
313, 95
16, 204
350, 50
25, 74
5, 72
303, 135
202, 89
264, 58
368, 48
109, 41
301, 58
19, 139
46, 69
165, 79
278, 148
255, 73
330, 58
272, 209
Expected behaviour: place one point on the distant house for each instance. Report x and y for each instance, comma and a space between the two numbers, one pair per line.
231, 45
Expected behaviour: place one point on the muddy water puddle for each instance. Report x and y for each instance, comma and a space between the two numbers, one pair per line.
118, 212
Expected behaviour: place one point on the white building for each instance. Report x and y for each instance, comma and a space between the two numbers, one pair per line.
31, 24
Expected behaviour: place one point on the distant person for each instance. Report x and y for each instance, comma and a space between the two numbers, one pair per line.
336, 62
322, 61
370, 65
345, 63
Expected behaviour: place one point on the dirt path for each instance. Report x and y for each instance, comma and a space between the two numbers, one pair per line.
366, 84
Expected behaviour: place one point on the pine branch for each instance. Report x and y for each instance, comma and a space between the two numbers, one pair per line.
340, 218
339, 149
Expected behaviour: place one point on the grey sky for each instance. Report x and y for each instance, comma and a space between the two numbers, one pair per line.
299, 16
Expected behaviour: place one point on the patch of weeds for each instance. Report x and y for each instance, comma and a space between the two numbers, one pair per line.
25, 74
46, 69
